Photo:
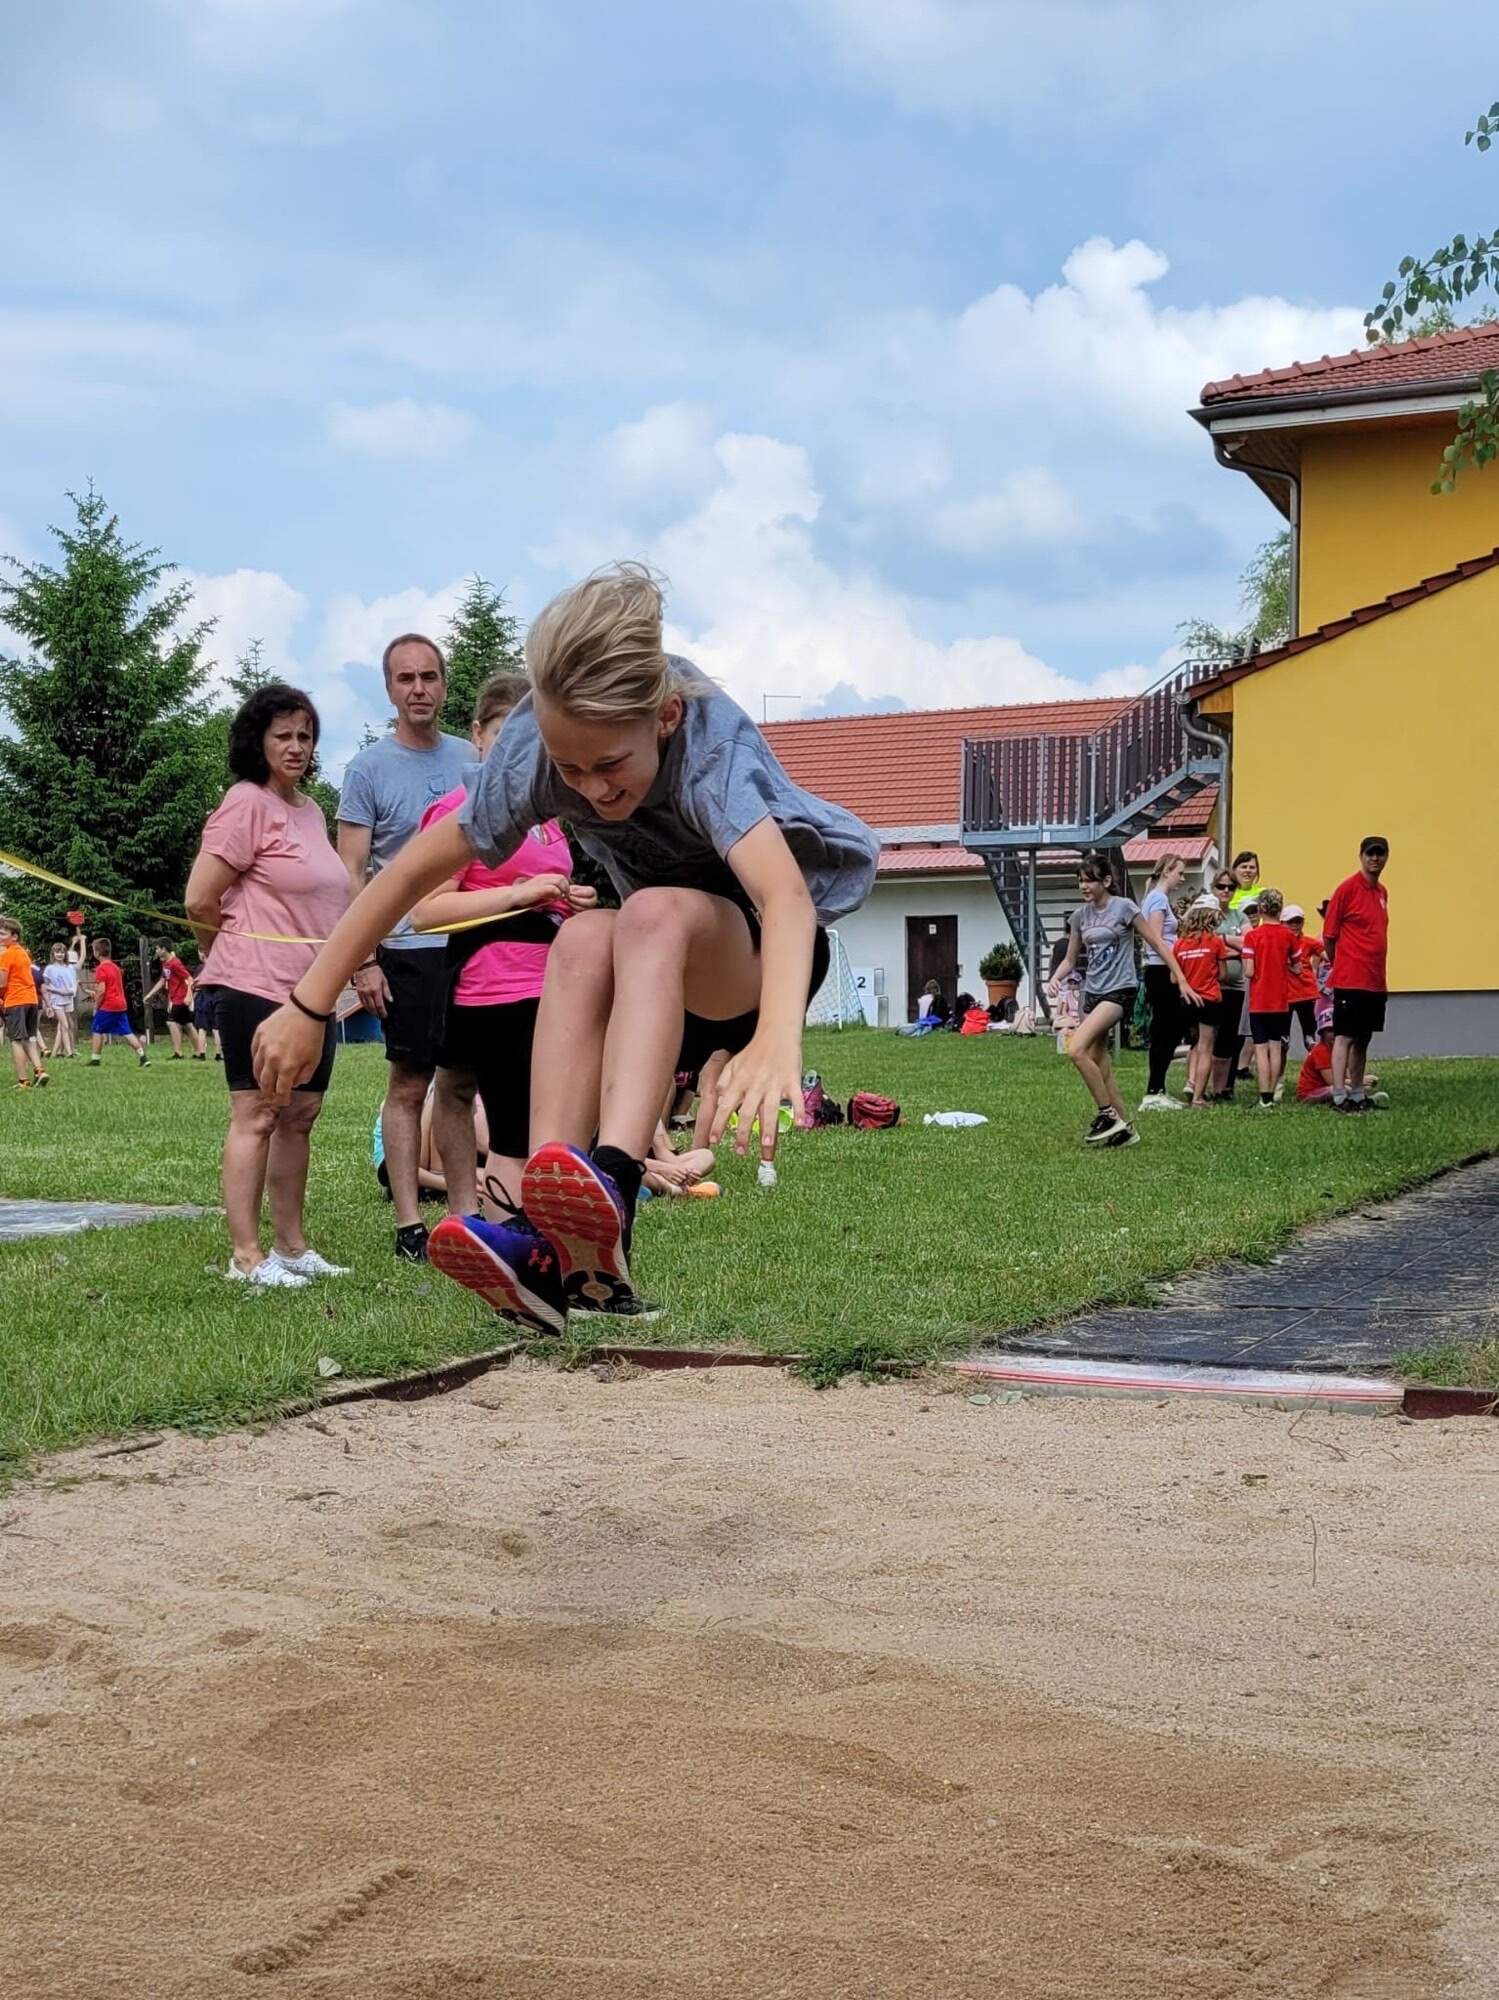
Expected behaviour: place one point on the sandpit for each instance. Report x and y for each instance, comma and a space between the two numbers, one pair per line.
708, 1685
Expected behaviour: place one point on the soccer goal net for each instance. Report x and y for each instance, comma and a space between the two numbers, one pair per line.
837, 1003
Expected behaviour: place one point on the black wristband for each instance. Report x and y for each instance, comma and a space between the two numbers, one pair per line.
366, 966
302, 1008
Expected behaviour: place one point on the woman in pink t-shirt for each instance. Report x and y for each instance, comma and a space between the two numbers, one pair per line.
497, 973
266, 889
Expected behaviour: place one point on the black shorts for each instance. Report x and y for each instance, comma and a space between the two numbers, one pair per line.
702, 1038
182, 1014
418, 978
495, 1044
1208, 1015
1270, 1027
237, 1015
203, 1007
1230, 1033
20, 1023
1356, 1014
1122, 997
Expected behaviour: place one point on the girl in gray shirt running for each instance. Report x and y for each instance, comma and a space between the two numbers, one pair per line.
1104, 927
727, 874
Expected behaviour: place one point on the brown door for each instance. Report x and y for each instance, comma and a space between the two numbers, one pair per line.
931, 953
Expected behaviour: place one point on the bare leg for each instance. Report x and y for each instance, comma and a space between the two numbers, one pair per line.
453, 1135
673, 949
567, 1056
1342, 1048
287, 1161
175, 1031
137, 1044
1088, 1052
246, 1147
18, 1059
401, 1124
1358, 1055
1277, 1063
97, 1045
1264, 1067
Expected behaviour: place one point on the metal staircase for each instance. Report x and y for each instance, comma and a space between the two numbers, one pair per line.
1023, 794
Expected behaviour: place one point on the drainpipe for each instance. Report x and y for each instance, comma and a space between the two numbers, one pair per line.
1198, 730
1226, 454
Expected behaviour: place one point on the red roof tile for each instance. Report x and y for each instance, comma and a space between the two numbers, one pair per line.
1190, 847
918, 860
1190, 817
1366, 614
906, 769
1426, 362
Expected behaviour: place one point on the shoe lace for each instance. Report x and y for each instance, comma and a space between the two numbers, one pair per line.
503, 1208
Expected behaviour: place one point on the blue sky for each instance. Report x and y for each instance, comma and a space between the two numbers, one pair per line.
873, 322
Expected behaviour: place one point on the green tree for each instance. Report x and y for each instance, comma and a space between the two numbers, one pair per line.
1264, 595
482, 637
1424, 297
106, 775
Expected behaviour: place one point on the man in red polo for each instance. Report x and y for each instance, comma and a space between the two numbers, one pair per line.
1356, 933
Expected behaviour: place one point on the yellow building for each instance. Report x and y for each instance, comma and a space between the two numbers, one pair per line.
1381, 713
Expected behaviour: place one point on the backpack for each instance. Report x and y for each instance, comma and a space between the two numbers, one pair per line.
975, 1022
871, 1112
818, 1109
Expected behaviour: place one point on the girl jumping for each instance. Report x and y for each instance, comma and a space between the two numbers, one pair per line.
727, 874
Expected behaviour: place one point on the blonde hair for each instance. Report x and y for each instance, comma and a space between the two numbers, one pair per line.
596, 651
1272, 902
498, 696
1197, 923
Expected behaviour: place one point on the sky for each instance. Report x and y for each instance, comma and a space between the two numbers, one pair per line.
873, 324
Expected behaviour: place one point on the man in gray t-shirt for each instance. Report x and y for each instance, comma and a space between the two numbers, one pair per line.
386, 789
718, 779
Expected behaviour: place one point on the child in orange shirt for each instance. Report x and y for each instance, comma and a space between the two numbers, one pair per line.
19, 1005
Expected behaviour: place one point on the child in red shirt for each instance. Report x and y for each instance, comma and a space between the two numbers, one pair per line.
1270, 995
1314, 1085
1200, 952
111, 1014
1305, 960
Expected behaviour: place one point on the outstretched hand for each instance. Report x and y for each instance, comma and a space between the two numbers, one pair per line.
755, 1083
287, 1048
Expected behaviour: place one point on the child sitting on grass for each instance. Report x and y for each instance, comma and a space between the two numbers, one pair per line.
1314, 1084
728, 874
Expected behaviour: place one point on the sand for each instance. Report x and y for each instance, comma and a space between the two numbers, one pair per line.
706, 1684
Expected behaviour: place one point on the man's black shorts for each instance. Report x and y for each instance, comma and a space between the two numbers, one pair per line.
1356, 1014
418, 977
237, 1015
495, 1044
702, 1038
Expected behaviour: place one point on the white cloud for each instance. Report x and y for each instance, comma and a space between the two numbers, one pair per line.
245, 605
1028, 506
401, 429
666, 452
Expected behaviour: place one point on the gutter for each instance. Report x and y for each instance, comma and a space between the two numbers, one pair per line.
1198, 730
1226, 454
1439, 394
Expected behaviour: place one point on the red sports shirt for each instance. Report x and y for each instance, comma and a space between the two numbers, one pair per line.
1199, 958
109, 988
1357, 931
1270, 970
1316, 1070
177, 976
1304, 968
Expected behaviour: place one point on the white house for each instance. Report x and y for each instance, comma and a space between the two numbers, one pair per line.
934, 912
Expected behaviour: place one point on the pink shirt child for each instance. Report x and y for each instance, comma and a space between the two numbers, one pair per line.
290, 883
502, 972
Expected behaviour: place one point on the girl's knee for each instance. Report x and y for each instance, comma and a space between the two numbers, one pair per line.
654, 917
585, 942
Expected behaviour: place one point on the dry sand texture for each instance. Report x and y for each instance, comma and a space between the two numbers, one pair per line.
703, 1685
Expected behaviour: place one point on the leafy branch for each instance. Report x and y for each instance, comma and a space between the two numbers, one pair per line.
1430, 289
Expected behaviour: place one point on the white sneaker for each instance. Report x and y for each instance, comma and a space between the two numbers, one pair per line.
1157, 1100
267, 1272
309, 1265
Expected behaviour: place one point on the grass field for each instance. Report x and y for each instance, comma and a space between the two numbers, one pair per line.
910, 1243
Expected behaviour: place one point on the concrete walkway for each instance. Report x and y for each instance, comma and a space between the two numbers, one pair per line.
20, 1219
1419, 1271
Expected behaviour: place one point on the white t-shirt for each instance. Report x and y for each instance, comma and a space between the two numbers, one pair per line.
1157, 904
60, 983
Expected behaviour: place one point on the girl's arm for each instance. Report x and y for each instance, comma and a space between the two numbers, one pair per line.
769, 1069
1150, 929
451, 905
207, 886
288, 1045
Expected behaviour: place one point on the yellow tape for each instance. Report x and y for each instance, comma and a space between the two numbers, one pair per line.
182, 924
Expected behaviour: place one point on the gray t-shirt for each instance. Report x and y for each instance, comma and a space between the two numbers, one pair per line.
1232, 925
718, 779
1107, 935
1157, 904
387, 787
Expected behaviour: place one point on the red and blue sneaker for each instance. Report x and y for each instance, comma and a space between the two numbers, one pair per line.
510, 1264
582, 1214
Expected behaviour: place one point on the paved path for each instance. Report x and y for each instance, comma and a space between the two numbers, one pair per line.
1415, 1272
66, 1218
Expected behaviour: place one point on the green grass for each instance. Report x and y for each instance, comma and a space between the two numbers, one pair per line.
876, 1245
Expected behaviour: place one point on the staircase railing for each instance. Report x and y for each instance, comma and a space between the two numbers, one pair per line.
1019, 783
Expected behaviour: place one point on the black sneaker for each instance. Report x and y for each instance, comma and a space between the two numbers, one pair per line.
1126, 1135
630, 1308
145, 1061
411, 1243
1104, 1128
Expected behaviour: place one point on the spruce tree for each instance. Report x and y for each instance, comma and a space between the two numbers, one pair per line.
482, 637
107, 772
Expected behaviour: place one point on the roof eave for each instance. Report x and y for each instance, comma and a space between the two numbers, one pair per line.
1307, 404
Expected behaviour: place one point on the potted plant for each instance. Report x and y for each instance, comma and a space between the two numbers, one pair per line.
1000, 970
